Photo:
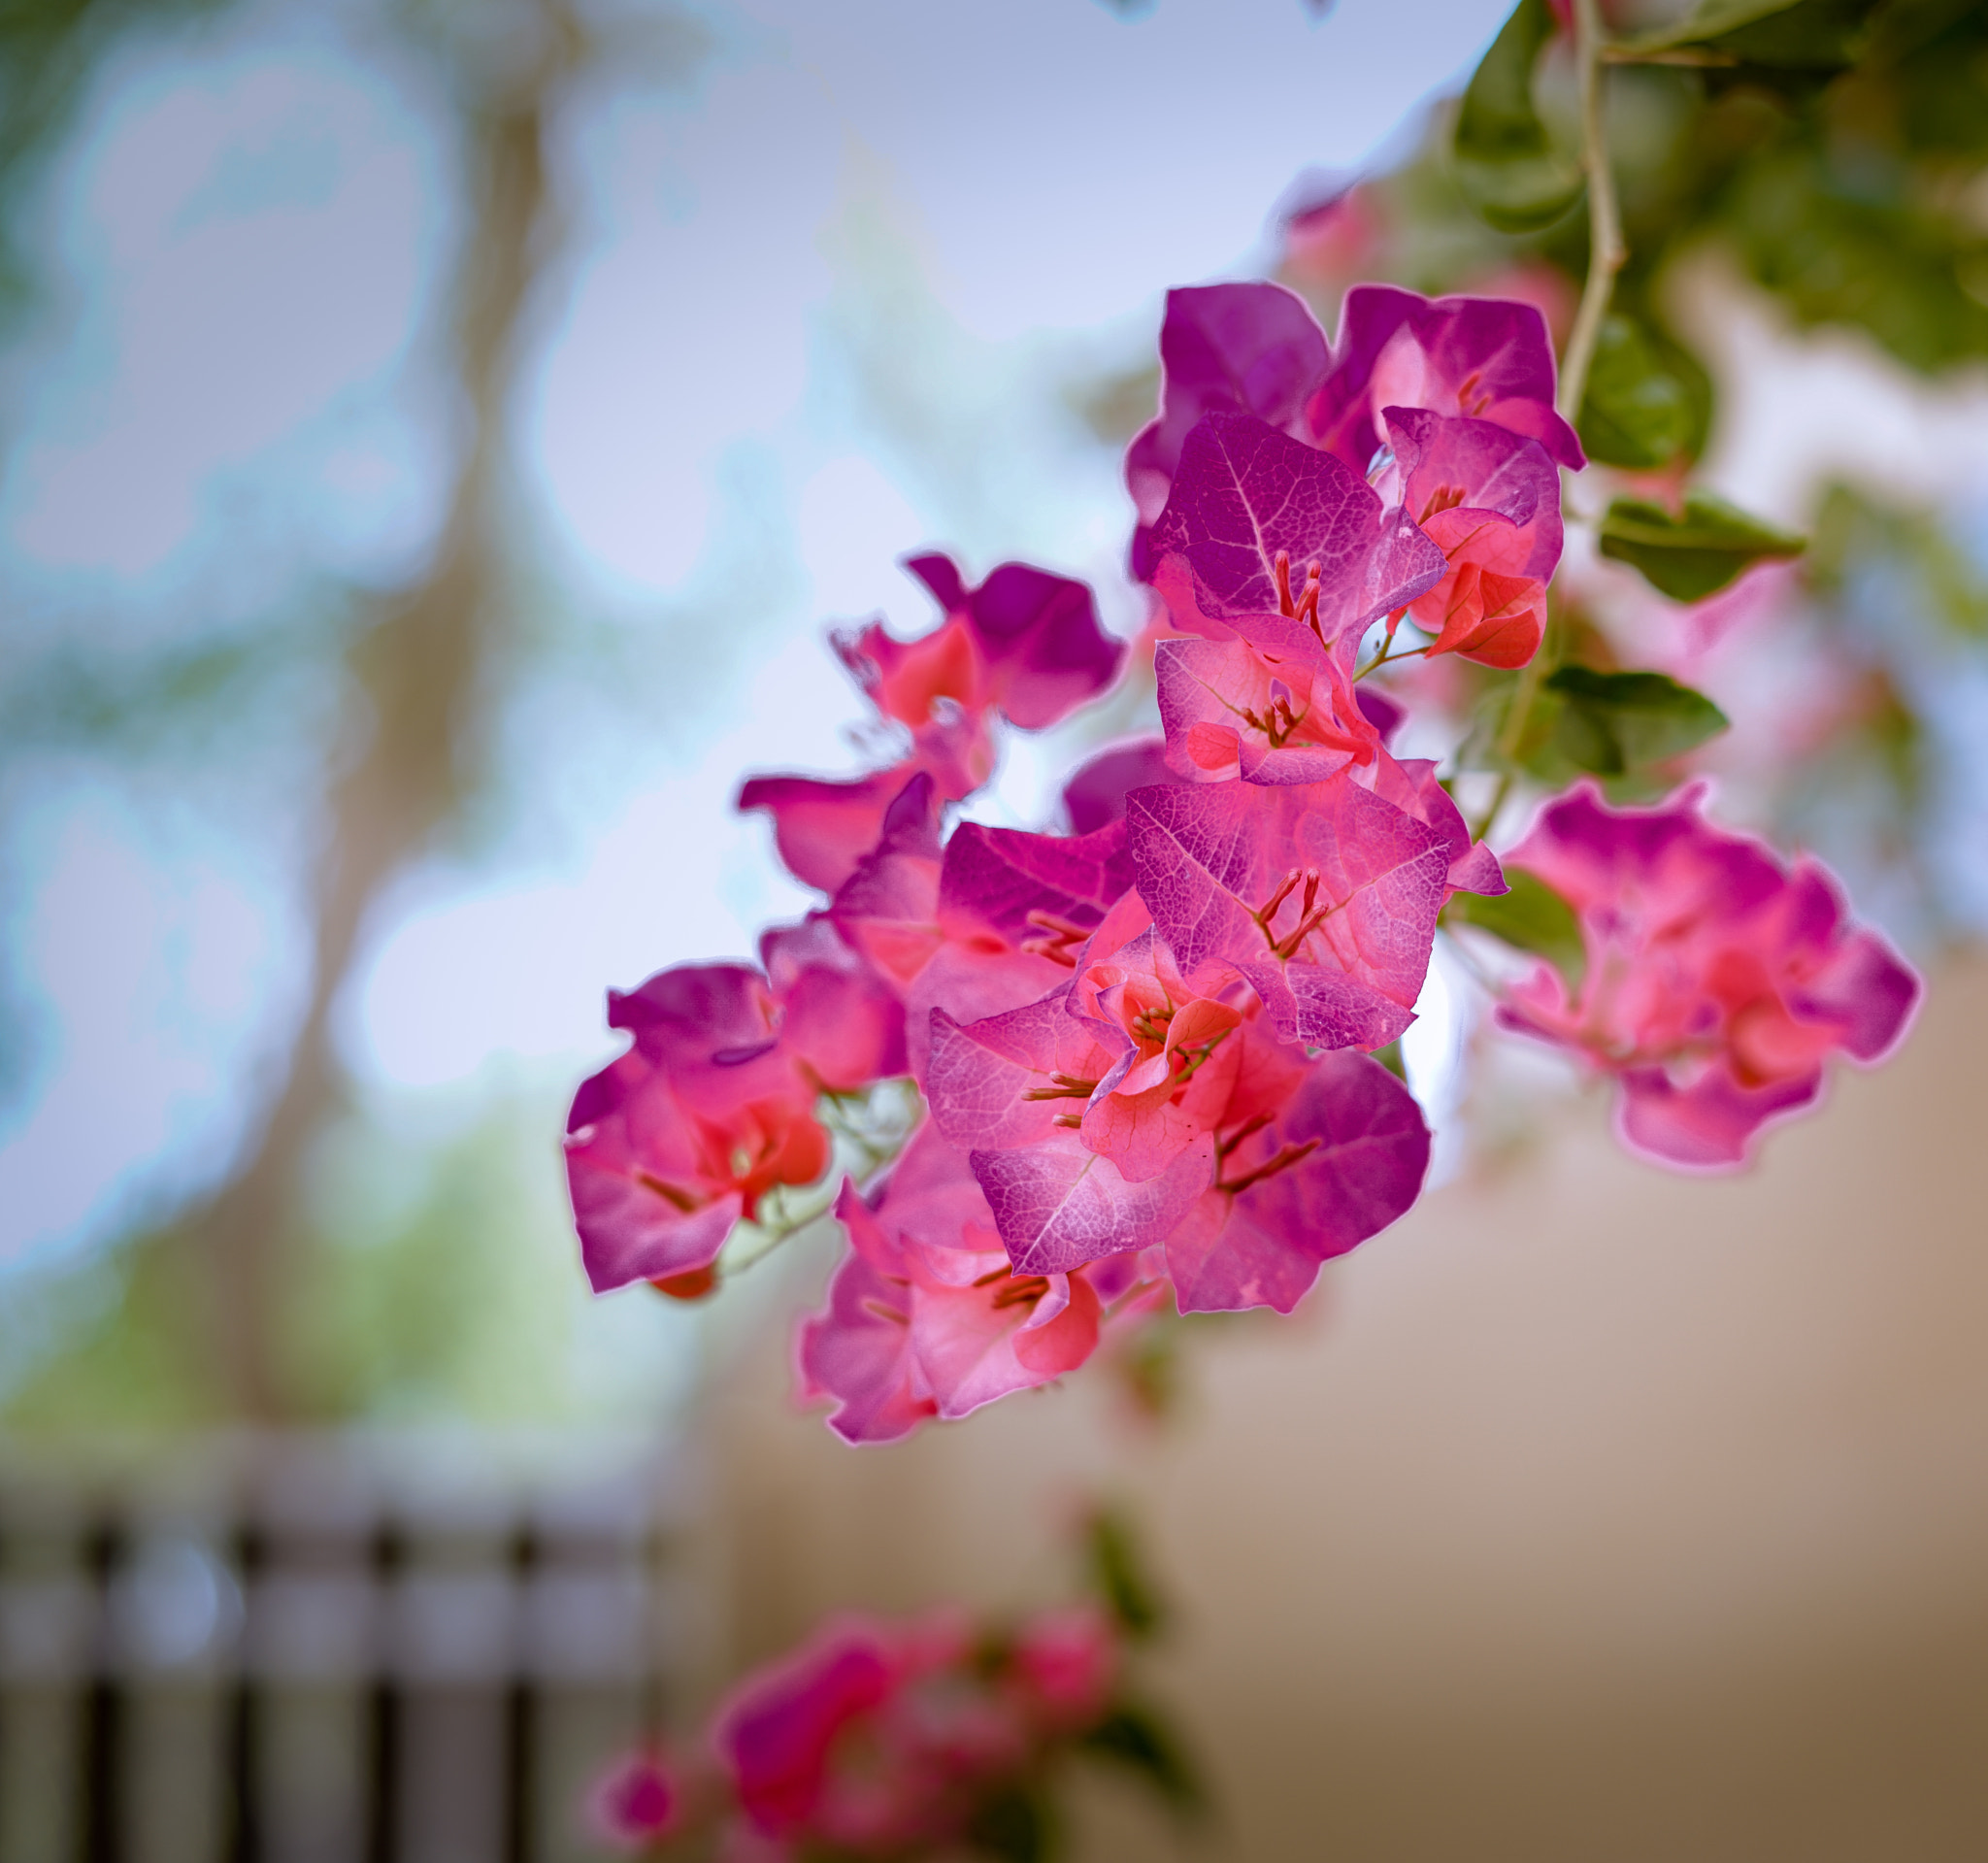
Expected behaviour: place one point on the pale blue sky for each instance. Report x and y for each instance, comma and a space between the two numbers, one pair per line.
832, 288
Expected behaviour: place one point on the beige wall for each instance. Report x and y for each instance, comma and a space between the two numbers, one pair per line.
1591, 1513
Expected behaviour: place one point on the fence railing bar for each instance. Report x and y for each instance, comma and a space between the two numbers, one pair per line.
100, 1772
381, 1808
520, 1753
242, 1711
128, 1635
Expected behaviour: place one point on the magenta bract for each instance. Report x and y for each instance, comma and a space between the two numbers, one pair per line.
1335, 1163
1058, 1205
1485, 358
1323, 895
1254, 350
1270, 707
1245, 495
1095, 796
1025, 644
1228, 349
925, 1317
672, 1143
1037, 650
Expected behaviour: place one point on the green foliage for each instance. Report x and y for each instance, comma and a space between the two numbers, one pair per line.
139, 1361
1136, 1738
1015, 1826
1532, 917
1648, 401
1508, 163
1578, 720
1148, 1365
1795, 35
1696, 554
1119, 1575
1611, 723
49, 50
1850, 244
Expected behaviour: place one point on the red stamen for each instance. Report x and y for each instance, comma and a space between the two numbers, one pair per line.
1247, 1129
1283, 1161
1025, 1288
1068, 1087
1060, 946
684, 1200
1269, 909
1307, 603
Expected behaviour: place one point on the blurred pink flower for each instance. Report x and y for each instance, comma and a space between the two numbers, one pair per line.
1717, 981
635, 1804
1065, 1662
871, 1738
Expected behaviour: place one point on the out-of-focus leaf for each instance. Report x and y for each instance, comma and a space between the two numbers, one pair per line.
1697, 554
49, 50
1931, 55
1135, 1736
1793, 35
1119, 1575
1014, 1825
1842, 248
1507, 164
1115, 406
1611, 723
1648, 401
1530, 916
1148, 1365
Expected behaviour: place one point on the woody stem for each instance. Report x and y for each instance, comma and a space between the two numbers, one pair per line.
1606, 250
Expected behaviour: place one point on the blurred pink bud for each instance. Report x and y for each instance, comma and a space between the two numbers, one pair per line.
635, 1803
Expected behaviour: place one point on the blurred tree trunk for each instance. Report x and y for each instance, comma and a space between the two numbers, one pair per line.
420, 677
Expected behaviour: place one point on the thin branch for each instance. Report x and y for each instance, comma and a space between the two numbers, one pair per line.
1694, 57
1606, 250
416, 708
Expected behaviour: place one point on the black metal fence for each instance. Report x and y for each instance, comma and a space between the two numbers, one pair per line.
328, 1651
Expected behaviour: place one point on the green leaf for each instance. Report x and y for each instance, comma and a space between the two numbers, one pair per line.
1509, 166
1692, 556
1647, 400
1532, 917
1120, 1577
1838, 250
1014, 1825
1785, 35
1136, 1738
1611, 723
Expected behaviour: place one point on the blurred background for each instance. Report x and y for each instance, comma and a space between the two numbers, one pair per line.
435, 435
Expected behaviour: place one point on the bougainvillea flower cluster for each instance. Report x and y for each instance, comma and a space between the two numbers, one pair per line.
1143, 1049
878, 1738
1716, 978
